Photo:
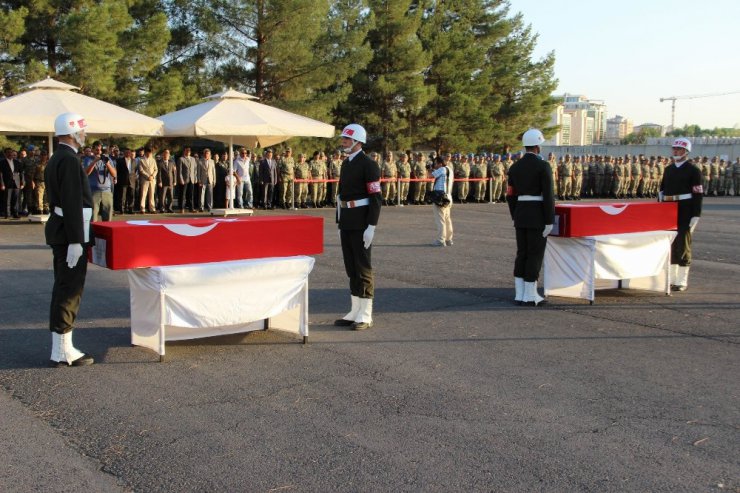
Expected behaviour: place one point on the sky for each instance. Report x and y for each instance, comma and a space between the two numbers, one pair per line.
631, 53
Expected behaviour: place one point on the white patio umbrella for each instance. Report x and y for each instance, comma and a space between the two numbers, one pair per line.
33, 112
233, 117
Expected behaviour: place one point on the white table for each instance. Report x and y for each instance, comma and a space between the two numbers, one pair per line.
203, 300
576, 267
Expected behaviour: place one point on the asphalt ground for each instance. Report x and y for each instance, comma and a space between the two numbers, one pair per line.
453, 389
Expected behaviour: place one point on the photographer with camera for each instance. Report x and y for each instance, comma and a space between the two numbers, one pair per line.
442, 200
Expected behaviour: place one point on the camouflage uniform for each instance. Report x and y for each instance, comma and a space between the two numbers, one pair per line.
705, 171
462, 171
619, 179
713, 176
565, 175
335, 167
577, 181
404, 172
286, 172
496, 172
318, 189
479, 171
736, 176
302, 172
420, 172
389, 170
635, 177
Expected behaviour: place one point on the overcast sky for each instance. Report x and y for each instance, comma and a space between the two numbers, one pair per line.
631, 53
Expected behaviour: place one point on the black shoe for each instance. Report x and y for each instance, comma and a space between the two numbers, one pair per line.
678, 288
341, 322
361, 325
532, 303
84, 360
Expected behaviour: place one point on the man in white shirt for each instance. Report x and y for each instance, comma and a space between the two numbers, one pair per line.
244, 184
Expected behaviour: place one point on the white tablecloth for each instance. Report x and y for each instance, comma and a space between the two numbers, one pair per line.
576, 267
203, 300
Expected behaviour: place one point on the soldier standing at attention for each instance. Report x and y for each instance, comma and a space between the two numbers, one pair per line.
682, 183
565, 174
404, 173
68, 233
419, 173
532, 208
335, 168
462, 172
358, 210
389, 171
286, 172
577, 182
302, 172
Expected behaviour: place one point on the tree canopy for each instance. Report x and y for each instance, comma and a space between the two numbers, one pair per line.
453, 74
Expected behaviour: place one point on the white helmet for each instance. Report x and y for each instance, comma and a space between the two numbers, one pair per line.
355, 132
69, 123
532, 137
683, 143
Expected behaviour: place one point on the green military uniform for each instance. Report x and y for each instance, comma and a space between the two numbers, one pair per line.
286, 174
41, 204
479, 170
335, 168
565, 175
317, 189
496, 172
300, 190
577, 180
404, 173
419, 171
713, 176
389, 171
462, 172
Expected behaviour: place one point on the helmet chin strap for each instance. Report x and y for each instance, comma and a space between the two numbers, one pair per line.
80, 139
349, 150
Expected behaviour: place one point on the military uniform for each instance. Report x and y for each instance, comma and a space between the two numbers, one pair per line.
565, 175
318, 172
41, 204
404, 173
419, 172
713, 177
479, 187
286, 175
635, 177
300, 190
462, 172
531, 206
496, 172
335, 168
70, 200
577, 183
359, 180
683, 184
736, 176
389, 172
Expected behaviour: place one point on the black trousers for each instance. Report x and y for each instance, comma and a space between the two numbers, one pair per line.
268, 190
185, 196
357, 263
67, 291
681, 247
530, 250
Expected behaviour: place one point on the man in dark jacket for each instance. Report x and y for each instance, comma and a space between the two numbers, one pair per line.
358, 210
268, 178
532, 207
68, 233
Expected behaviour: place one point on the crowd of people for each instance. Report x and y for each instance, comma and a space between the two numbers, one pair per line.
128, 181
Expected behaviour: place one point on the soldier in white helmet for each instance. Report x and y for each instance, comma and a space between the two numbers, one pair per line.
682, 183
532, 207
358, 209
68, 234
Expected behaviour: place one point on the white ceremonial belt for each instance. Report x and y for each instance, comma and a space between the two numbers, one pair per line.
351, 204
530, 198
676, 198
86, 218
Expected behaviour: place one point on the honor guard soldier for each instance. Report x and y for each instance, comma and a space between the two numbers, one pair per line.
68, 233
682, 183
532, 208
358, 210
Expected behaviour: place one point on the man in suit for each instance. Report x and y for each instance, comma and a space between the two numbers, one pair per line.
358, 210
268, 178
166, 179
532, 207
187, 176
68, 233
126, 181
206, 180
148, 180
11, 175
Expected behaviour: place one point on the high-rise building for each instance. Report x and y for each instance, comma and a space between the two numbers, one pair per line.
617, 128
560, 119
587, 120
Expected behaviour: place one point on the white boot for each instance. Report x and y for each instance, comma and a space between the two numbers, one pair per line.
673, 275
682, 279
364, 318
531, 298
518, 290
349, 319
63, 352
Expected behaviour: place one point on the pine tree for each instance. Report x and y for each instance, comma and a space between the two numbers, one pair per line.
390, 92
458, 34
521, 89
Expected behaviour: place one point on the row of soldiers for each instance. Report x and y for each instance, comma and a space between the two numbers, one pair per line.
576, 177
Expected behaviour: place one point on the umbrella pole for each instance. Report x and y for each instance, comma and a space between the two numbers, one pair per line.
230, 204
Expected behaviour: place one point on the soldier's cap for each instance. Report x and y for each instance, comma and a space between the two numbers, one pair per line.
30, 147
268, 151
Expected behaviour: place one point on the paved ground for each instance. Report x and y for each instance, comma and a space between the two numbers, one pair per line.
454, 389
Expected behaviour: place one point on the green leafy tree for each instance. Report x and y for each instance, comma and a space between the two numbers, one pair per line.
641, 136
458, 35
390, 92
521, 88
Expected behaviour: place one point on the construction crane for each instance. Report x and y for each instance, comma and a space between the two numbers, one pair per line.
695, 96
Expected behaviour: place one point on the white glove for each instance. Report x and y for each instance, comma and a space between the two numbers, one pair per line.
692, 223
367, 236
660, 196
74, 252
547, 230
